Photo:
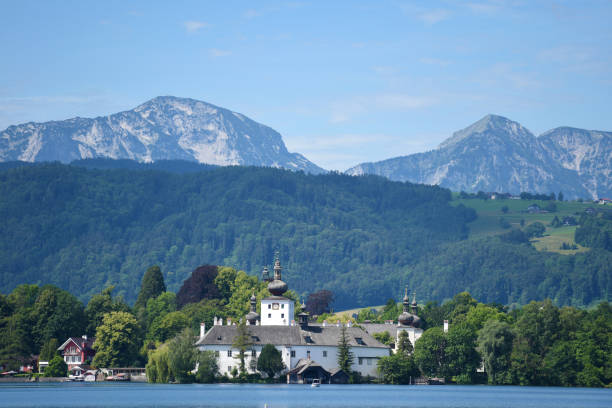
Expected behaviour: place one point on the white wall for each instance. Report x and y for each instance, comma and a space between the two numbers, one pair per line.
277, 312
368, 356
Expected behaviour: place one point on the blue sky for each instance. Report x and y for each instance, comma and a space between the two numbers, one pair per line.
343, 82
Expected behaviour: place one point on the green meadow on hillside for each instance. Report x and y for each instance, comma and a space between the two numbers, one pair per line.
492, 220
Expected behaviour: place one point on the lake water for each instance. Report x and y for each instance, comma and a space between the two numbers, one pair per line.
277, 396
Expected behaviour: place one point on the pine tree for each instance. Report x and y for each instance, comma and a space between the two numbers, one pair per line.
242, 342
152, 286
345, 356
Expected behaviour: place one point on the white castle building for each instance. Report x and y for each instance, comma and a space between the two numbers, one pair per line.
308, 350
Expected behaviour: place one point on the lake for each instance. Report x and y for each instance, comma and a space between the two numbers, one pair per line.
85, 395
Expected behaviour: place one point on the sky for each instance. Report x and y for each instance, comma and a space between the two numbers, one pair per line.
344, 82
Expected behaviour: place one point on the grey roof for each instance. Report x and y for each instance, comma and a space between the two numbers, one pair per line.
261, 335
373, 328
291, 335
303, 365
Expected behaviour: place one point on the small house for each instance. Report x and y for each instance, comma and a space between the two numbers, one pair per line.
77, 351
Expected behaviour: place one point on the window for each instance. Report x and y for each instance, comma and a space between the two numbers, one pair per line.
292, 353
308, 339
275, 306
324, 353
283, 306
229, 353
360, 360
269, 306
307, 353
369, 361
269, 315
216, 353
282, 315
229, 369
359, 340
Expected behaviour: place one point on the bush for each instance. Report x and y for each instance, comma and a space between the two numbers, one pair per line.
57, 368
535, 230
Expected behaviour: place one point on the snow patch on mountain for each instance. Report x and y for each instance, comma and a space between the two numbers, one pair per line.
165, 127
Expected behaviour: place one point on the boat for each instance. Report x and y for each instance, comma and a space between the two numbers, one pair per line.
315, 383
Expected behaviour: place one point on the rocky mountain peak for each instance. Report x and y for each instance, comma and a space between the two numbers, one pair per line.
163, 128
490, 125
498, 154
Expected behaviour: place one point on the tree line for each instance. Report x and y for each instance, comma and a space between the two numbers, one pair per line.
537, 344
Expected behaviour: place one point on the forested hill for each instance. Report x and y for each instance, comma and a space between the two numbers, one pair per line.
84, 229
364, 238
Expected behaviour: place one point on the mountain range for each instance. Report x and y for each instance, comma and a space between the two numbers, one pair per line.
164, 128
496, 154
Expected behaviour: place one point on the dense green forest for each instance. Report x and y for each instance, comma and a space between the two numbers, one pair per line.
87, 226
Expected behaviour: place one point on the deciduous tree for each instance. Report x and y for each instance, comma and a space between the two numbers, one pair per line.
57, 367
270, 361
117, 340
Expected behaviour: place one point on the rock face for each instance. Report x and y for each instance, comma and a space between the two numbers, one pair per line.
163, 128
497, 154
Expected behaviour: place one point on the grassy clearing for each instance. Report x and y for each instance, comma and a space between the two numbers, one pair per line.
554, 238
350, 312
490, 214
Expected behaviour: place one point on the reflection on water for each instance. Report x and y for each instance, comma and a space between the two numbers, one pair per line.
279, 396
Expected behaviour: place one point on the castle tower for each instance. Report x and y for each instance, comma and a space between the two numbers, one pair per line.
277, 310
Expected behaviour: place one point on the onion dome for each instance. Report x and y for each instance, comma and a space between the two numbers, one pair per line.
406, 318
277, 287
252, 317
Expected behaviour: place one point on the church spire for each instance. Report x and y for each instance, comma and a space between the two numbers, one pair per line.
252, 317
277, 267
406, 300
277, 287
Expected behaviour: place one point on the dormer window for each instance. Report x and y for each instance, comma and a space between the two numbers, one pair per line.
359, 340
308, 339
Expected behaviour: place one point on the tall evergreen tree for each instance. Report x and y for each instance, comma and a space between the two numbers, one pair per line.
345, 356
152, 286
242, 342
404, 345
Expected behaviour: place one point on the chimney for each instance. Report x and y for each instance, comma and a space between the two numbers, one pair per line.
446, 326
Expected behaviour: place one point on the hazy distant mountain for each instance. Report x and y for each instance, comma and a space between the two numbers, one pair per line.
497, 154
165, 127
